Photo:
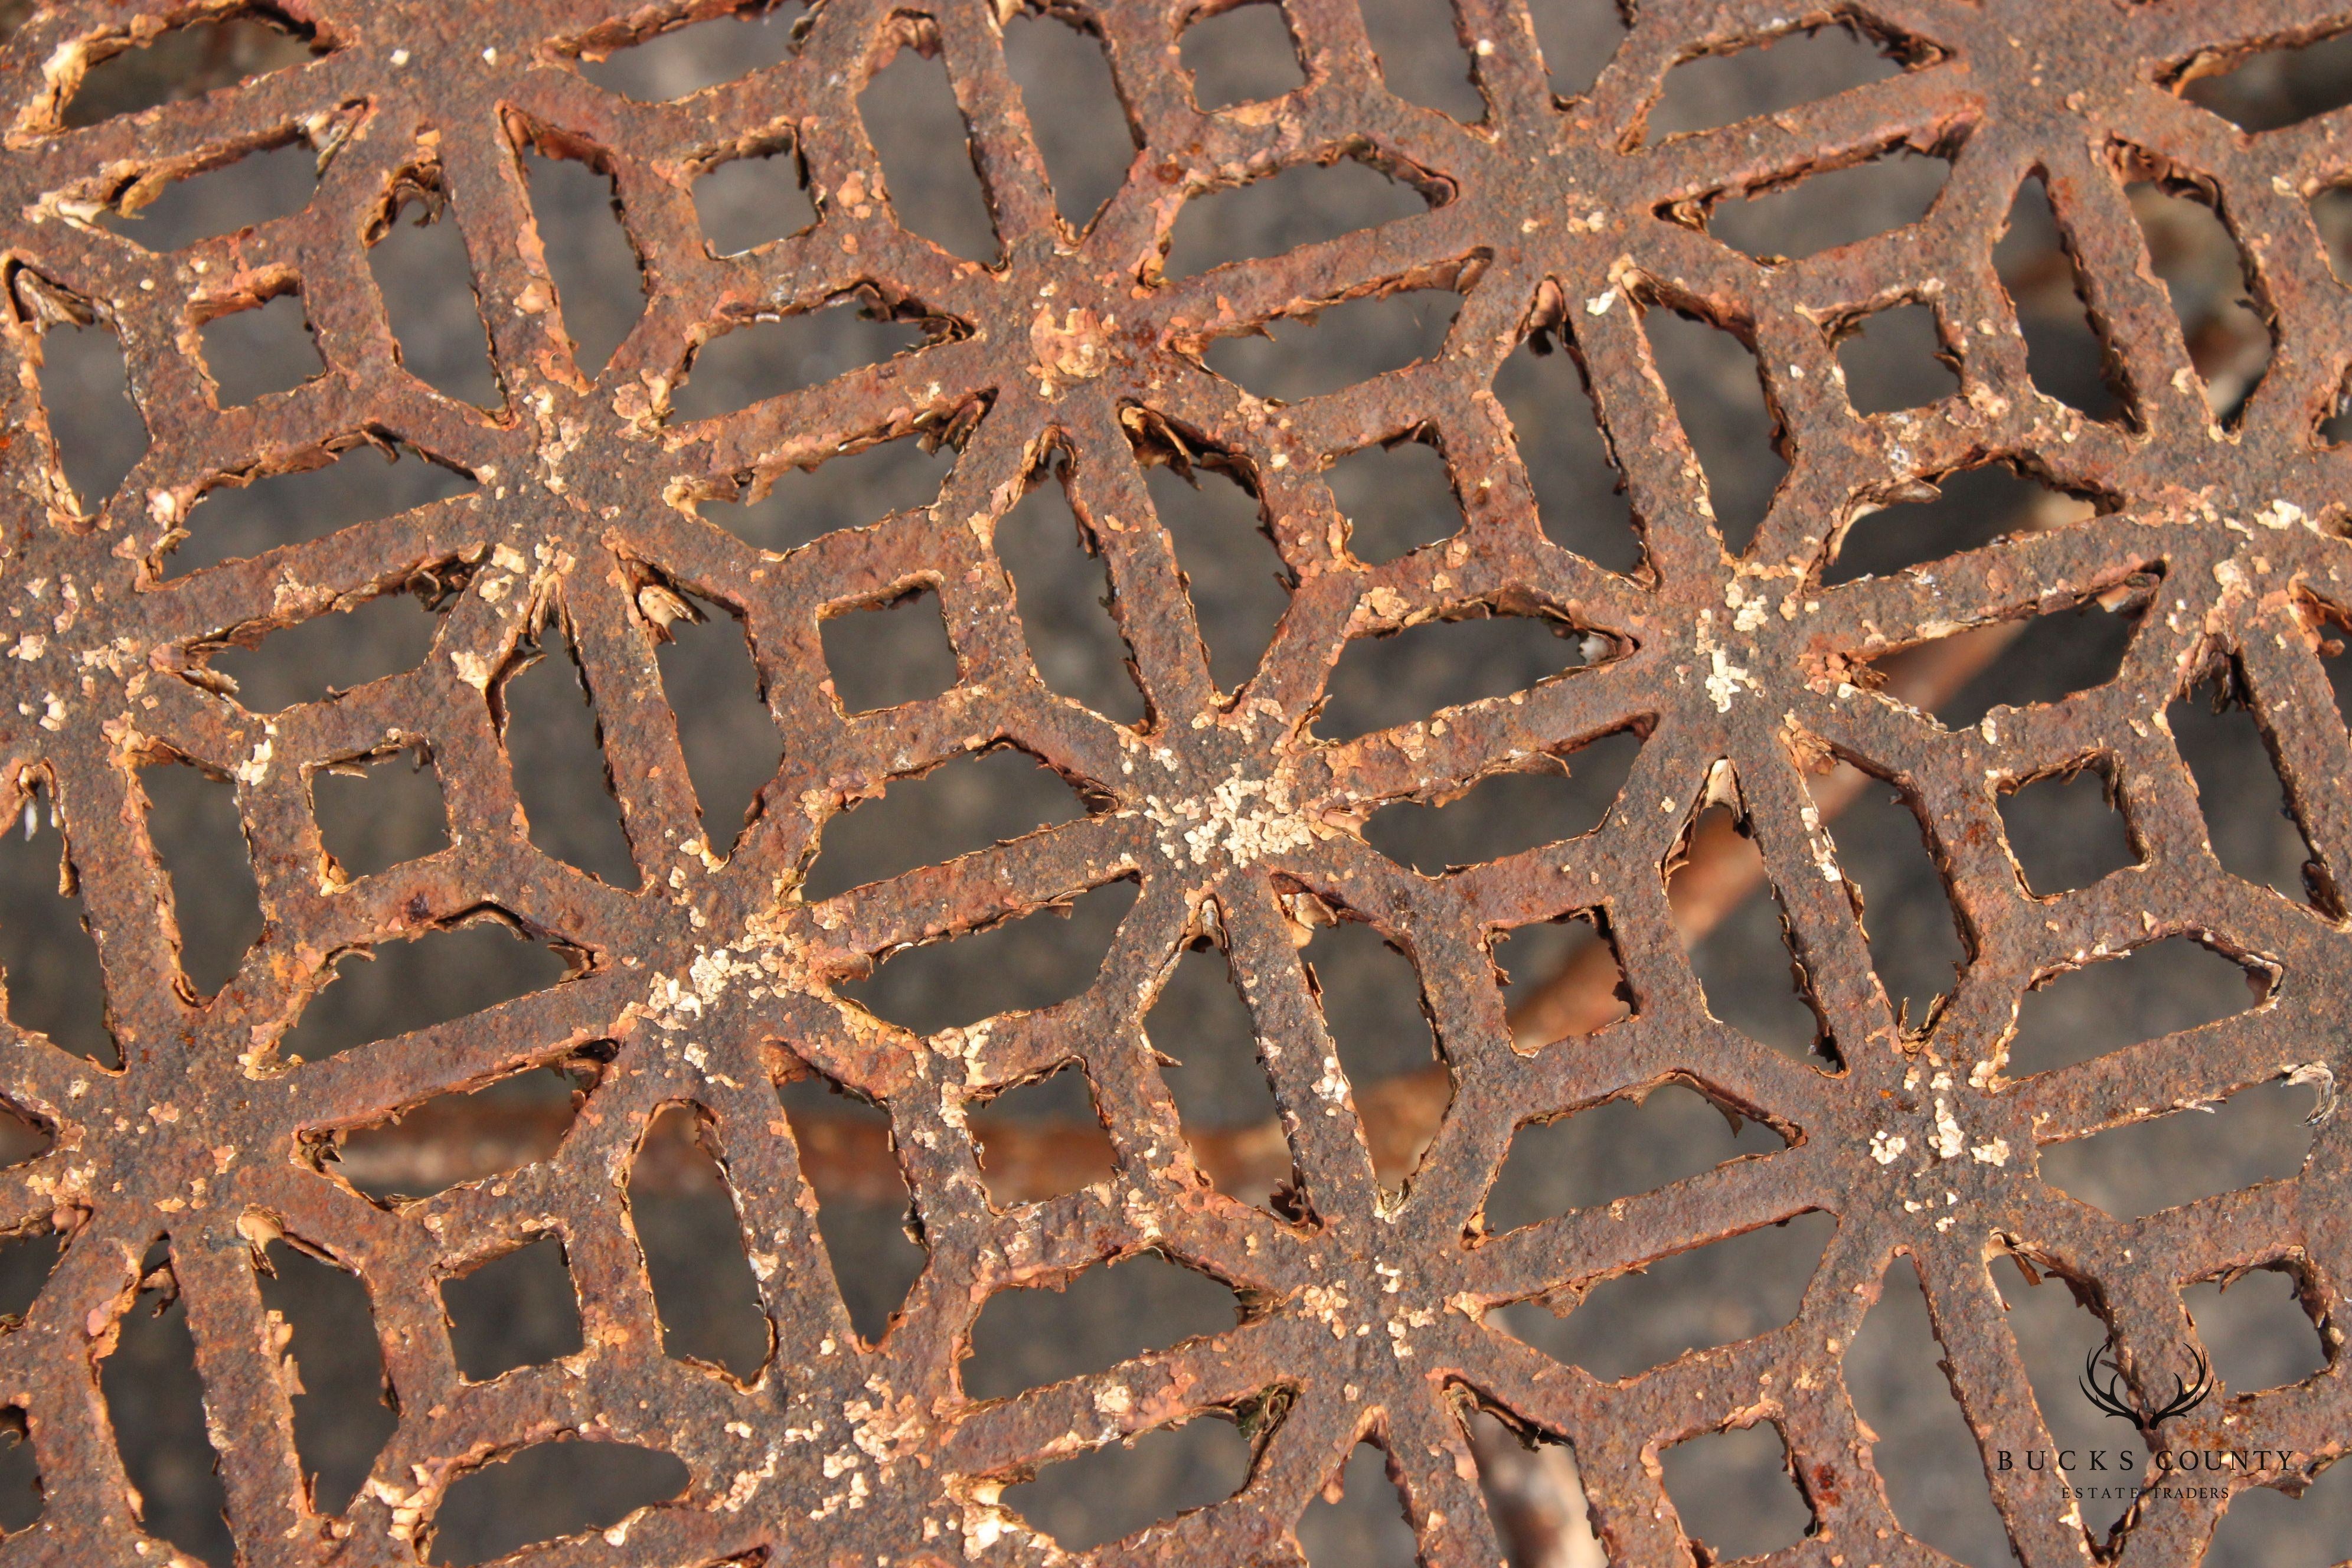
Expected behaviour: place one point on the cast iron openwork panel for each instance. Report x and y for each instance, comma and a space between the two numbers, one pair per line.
1368, 1304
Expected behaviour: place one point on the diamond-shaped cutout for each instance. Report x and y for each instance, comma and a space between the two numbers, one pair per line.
2259, 1328
1243, 54
865, 1212
439, 974
517, 1309
1562, 979
465, 1135
2119, 999
1893, 360
1025, 1339
748, 201
1694, 1299
1633, 1143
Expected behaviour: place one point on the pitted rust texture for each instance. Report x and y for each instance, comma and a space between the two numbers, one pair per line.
1366, 1314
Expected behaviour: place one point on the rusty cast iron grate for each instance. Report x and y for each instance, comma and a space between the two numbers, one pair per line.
1372, 1280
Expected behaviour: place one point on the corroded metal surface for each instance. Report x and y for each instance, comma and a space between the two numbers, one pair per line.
1366, 1305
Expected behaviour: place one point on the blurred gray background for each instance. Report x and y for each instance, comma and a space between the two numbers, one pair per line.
1731, 1490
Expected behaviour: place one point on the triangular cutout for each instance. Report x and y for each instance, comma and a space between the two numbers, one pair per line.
342, 1416
2064, 355
1359, 1516
911, 117
554, 745
712, 681
1736, 930
683, 1214
1919, 1437
600, 285
1066, 602
48, 962
155, 1404
1200, 1029
865, 1211
1581, 499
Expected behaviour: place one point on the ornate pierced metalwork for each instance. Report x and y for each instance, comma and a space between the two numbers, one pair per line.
1368, 1307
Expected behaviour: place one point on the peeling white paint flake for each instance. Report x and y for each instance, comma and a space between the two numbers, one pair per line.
472, 669
1887, 1147
1244, 819
1949, 1139
1994, 1153
251, 771
2283, 513
1599, 305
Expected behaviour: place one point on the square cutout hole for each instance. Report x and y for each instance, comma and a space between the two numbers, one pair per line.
889, 652
252, 353
1890, 361
517, 1309
376, 812
1736, 1493
2066, 830
1242, 55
